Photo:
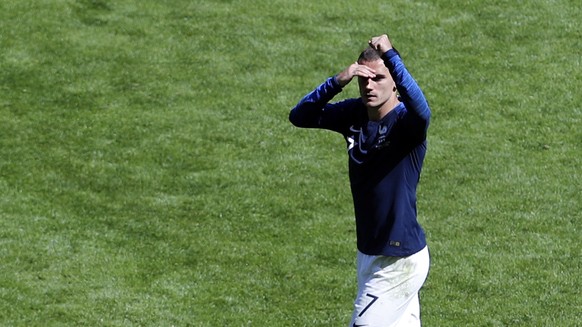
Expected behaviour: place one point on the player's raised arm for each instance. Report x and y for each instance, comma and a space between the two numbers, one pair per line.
410, 92
314, 109
309, 111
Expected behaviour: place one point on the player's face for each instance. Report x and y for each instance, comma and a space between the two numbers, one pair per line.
378, 90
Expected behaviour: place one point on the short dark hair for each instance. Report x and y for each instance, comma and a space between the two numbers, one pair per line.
368, 55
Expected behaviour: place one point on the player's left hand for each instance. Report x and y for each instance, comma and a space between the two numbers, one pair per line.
380, 43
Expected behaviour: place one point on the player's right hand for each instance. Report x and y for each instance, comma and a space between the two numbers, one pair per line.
355, 69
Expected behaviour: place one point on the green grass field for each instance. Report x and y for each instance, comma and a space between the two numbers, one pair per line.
149, 175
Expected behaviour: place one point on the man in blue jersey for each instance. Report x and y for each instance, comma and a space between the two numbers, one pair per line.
385, 131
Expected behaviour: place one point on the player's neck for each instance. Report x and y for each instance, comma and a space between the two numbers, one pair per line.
377, 113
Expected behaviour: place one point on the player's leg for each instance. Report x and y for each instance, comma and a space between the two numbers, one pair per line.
411, 316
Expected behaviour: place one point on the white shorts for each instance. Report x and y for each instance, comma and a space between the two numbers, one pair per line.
388, 290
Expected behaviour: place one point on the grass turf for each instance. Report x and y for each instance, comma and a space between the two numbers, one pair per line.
149, 176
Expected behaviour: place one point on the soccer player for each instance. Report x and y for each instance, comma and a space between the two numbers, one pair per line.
385, 130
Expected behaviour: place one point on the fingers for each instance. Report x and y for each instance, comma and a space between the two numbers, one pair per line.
364, 71
354, 70
380, 43
373, 42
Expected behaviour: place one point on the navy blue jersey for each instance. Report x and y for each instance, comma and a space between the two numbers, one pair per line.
385, 158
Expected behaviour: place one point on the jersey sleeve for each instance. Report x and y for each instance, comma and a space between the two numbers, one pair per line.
410, 93
315, 110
